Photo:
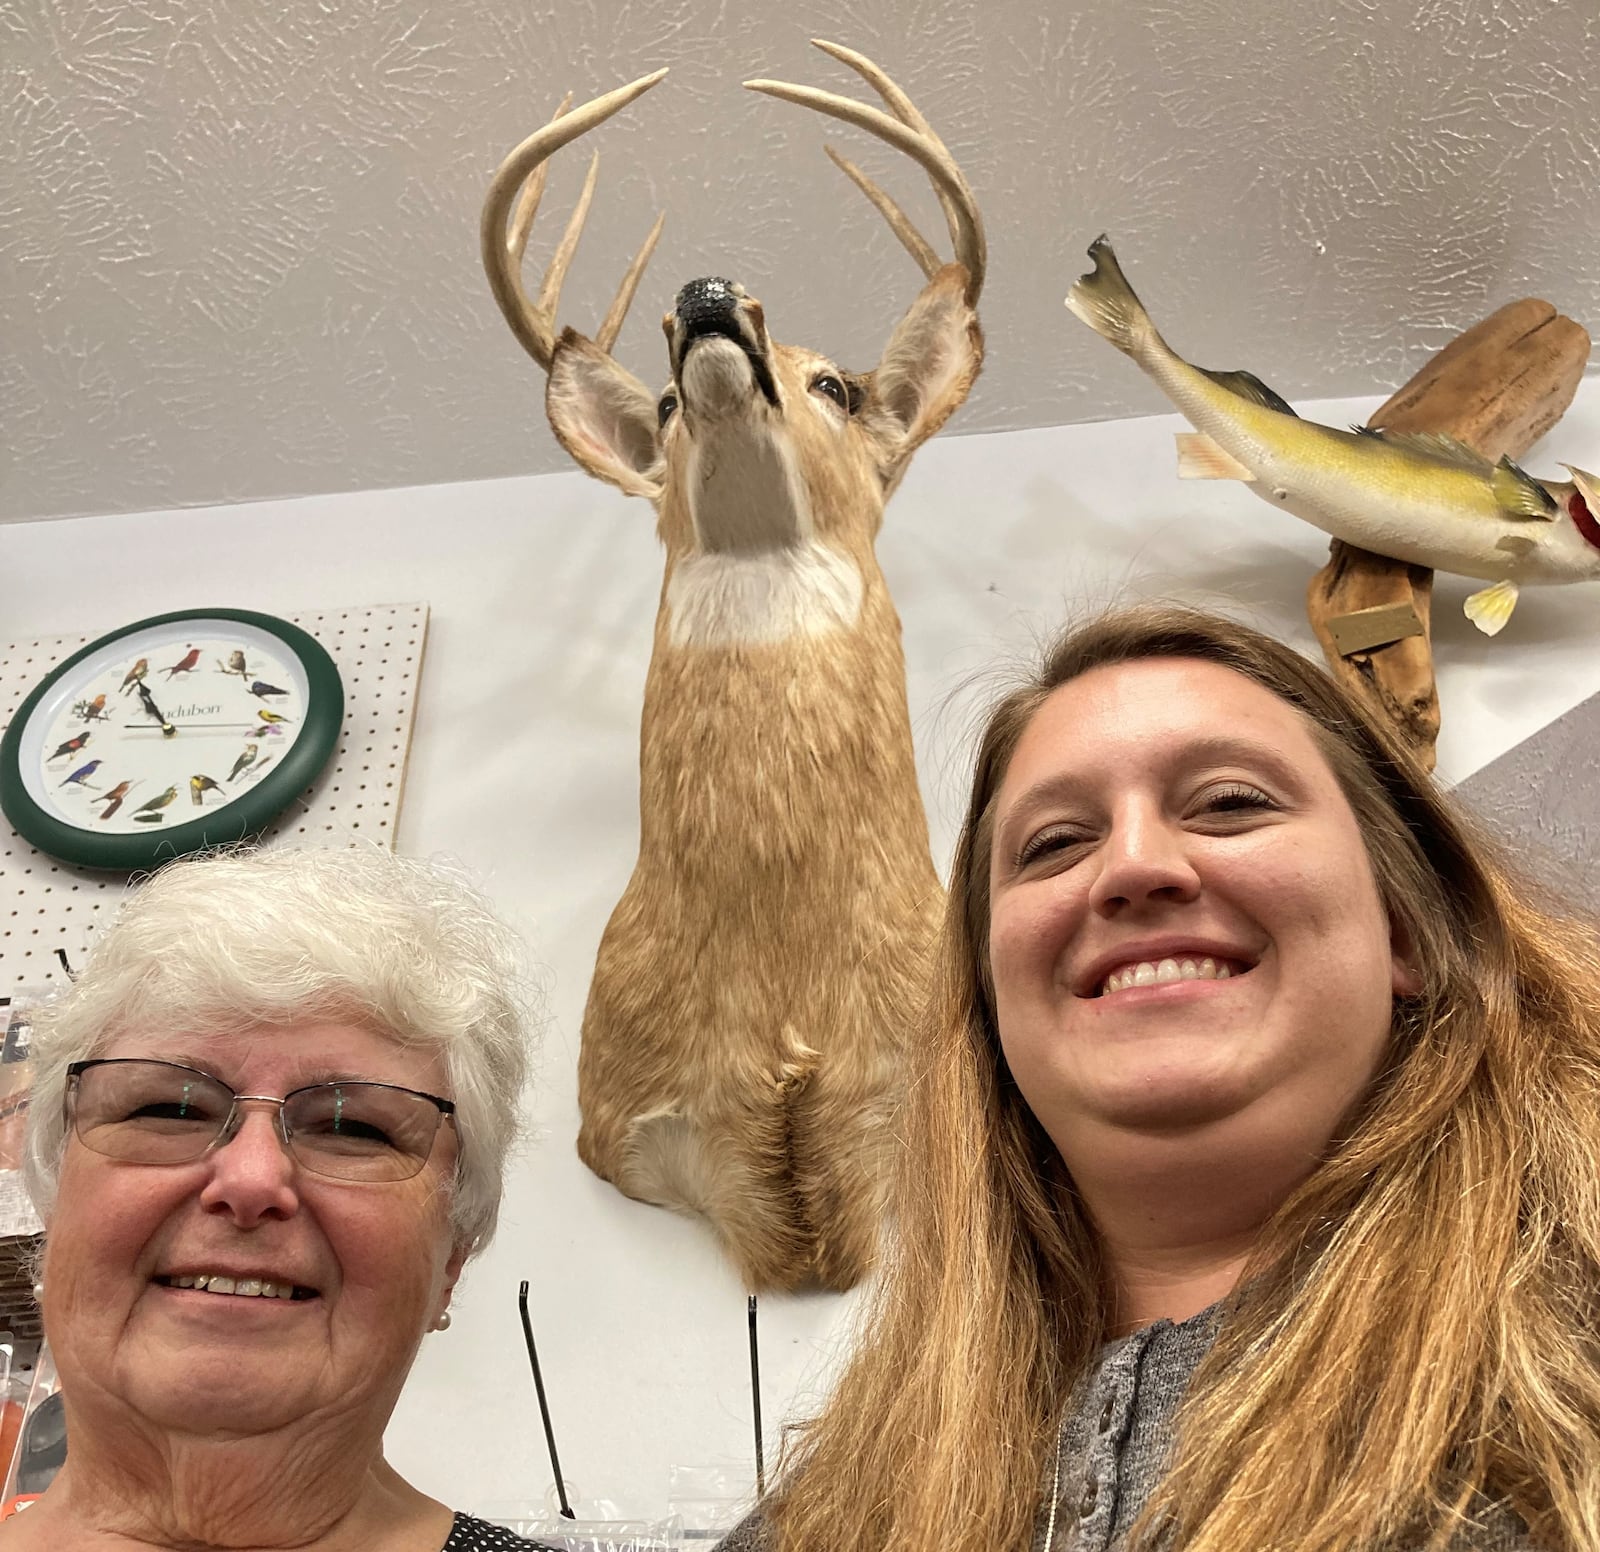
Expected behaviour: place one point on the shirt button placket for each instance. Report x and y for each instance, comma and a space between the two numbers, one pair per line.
1094, 1509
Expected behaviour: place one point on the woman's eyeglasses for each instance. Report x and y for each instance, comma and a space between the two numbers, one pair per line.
149, 1112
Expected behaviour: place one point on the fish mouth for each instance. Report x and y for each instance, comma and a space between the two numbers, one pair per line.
1583, 503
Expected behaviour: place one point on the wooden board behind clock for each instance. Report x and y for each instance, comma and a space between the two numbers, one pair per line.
46, 904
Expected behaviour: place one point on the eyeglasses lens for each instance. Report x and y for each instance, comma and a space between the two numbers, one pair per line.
160, 1113
149, 1112
361, 1131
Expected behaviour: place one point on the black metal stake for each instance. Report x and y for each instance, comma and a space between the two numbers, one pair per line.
544, 1406
755, 1398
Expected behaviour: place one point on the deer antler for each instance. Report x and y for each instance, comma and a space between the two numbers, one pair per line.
533, 322
909, 132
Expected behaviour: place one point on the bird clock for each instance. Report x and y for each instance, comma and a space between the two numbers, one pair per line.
182, 732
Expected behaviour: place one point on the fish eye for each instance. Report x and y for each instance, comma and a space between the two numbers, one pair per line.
827, 383
666, 409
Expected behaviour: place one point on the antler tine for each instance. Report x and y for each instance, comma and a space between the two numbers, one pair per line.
923, 147
533, 321
550, 288
899, 104
899, 222
607, 337
528, 200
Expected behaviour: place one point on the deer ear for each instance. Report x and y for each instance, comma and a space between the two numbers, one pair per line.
604, 417
929, 366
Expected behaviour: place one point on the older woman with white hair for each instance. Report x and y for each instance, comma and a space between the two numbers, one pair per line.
269, 1126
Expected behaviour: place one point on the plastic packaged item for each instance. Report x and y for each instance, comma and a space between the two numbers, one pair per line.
19, 1357
16, 1078
601, 1528
17, 1216
709, 1500
564, 1535
42, 1439
17, 1025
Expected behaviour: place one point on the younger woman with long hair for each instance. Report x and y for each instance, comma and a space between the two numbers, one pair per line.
1250, 1196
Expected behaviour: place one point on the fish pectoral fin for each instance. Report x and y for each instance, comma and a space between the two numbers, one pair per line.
1490, 608
1520, 495
1202, 458
1515, 544
1248, 386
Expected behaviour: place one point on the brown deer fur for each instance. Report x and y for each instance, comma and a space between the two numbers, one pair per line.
755, 987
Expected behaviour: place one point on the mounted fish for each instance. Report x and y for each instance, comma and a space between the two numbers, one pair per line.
1422, 499
757, 985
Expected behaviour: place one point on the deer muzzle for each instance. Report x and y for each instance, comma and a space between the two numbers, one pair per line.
713, 308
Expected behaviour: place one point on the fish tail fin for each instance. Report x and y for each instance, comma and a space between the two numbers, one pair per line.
1107, 303
1491, 607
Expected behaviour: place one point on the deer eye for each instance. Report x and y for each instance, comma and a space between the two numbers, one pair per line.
667, 408
827, 383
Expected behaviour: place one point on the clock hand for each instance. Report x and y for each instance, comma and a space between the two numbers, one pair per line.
154, 710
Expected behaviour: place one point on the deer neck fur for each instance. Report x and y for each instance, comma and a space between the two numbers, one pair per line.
778, 679
755, 572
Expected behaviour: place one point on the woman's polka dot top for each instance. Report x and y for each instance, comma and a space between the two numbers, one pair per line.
470, 1535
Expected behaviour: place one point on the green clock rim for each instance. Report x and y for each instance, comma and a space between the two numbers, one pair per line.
248, 815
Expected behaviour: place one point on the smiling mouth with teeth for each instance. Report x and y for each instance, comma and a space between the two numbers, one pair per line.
1160, 972
238, 1287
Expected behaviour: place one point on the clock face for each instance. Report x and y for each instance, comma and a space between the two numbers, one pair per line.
186, 731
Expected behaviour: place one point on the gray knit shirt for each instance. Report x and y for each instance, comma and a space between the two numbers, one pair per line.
1114, 1446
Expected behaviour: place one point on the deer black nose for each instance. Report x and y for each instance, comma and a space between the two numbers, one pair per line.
711, 300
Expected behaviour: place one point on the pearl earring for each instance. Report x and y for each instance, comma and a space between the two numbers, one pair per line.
38, 1293
443, 1322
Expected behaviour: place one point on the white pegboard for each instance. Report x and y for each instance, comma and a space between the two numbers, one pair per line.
47, 905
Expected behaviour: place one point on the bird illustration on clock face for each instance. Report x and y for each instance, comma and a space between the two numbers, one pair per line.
113, 799
92, 711
185, 665
72, 746
152, 744
150, 813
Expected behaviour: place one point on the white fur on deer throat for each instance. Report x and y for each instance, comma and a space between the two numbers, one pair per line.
728, 598
759, 575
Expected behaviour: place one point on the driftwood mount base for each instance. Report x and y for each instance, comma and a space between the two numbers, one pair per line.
1499, 387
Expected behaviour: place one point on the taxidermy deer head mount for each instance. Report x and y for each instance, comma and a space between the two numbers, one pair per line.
756, 988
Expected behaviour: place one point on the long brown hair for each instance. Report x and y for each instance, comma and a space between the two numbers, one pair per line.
1414, 1342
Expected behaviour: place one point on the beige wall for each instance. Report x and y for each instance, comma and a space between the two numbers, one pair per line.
239, 241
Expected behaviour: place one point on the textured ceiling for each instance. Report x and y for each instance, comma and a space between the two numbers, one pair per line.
238, 241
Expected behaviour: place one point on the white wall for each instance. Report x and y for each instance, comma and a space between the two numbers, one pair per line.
543, 590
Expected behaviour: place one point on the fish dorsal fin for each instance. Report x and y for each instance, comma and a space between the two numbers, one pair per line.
1432, 444
1520, 495
1248, 386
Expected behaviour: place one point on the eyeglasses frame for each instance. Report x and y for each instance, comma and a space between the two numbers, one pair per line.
232, 1121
